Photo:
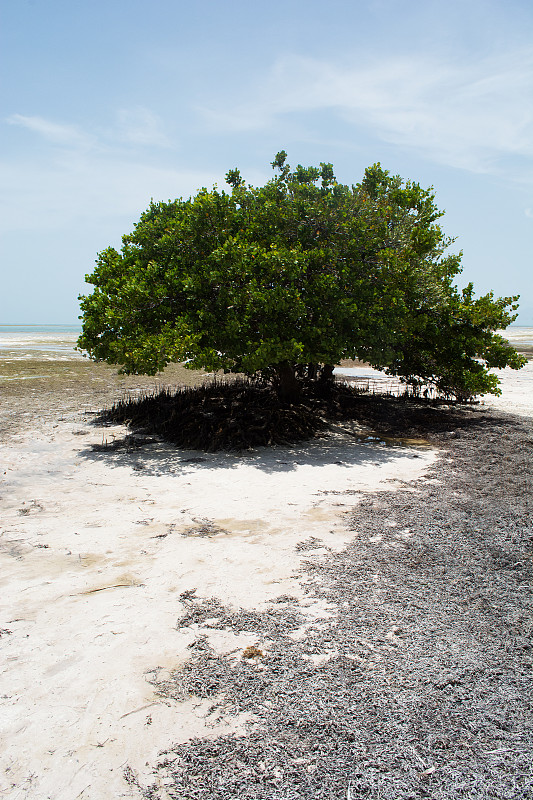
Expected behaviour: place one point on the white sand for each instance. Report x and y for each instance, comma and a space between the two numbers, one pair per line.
516, 385
93, 560
517, 394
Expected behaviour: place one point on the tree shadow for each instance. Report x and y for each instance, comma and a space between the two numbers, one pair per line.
341, 447
362, 430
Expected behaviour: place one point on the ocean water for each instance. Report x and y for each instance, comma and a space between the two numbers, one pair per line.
47, 342
57, 342
517, 335
19, 343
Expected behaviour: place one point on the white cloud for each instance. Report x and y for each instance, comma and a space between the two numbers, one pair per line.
141, 126
54, 132
463, 114
89, 190
137, 126
88, 178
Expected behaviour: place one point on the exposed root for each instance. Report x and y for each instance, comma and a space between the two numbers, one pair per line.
240, 415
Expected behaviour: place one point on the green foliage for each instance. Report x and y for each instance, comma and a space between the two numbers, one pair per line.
301, 271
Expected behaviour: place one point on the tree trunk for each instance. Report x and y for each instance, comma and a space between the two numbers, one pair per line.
326, 376
288, 387
312, 370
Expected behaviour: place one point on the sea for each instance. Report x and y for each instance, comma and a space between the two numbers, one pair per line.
19, 343
58, 342
46, 342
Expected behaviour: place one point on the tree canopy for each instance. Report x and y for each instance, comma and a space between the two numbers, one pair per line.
289, 278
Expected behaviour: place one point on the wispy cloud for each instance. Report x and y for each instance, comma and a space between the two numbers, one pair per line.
137, 126
53, 132
463, 114
109, 172
88, 191
140, 126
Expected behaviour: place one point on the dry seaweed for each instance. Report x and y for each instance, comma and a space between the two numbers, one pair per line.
423, 688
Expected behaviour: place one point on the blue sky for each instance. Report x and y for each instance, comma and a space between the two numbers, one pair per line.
105, 105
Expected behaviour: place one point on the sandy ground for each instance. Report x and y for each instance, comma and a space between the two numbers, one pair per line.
96, 548
100, 550
517, 394
516, 397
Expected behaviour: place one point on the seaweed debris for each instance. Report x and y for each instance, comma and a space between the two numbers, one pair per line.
417, 686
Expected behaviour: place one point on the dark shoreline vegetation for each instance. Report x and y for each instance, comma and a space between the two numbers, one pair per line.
243, 414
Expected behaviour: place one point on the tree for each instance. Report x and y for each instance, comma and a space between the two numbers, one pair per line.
289, 278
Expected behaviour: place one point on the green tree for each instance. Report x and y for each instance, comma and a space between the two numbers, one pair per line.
289, 278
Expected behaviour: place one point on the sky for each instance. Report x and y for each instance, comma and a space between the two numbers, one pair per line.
107, 104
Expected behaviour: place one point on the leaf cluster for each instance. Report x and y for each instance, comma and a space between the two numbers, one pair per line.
298, 273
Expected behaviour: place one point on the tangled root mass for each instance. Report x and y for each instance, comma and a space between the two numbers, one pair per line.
241, 415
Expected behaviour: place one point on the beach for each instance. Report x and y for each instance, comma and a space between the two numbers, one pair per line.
191, 604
